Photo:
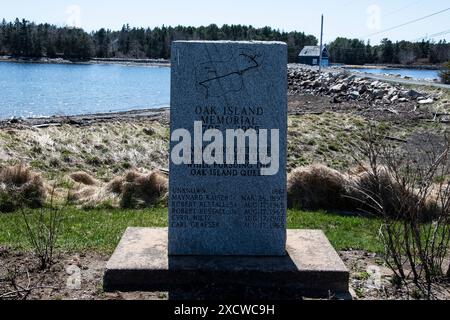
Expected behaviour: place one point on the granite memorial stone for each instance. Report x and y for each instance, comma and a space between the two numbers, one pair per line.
228, 148
227, 201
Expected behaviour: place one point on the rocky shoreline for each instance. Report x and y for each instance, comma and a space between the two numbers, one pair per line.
342, 86
161, 115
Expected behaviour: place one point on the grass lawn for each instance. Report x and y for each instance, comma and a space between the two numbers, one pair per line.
101, 229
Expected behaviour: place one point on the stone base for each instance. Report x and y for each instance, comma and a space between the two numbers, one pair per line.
311, 267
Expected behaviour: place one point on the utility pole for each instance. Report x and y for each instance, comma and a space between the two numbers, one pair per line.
321, 45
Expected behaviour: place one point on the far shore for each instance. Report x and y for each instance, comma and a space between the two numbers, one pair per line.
121, 61
166, 63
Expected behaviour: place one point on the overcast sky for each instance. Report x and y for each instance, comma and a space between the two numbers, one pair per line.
355, 19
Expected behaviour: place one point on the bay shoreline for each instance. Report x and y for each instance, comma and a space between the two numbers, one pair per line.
93, 61
159, 114
166, 63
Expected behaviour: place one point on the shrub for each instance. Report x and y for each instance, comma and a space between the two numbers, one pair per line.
317, 187
19, 186
384, 185
409, 187
42, 230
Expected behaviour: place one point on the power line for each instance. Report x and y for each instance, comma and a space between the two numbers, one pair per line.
407, 23
442, 33
402, 8
445, 32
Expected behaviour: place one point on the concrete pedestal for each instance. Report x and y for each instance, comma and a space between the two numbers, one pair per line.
311, 267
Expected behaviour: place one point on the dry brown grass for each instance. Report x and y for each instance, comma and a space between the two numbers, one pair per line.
84, 178
310, 188
317, 187
394, 196
83, 194
132, 190
104, 150
19, 185
131, 175
143, 189
368, 186
115, 185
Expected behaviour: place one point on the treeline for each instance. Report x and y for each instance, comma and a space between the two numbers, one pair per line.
27, 39
24, 38
355, 51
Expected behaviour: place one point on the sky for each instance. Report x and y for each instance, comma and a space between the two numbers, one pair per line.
362, 19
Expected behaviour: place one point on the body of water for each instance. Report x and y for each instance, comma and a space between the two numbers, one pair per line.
34, 90
412, 73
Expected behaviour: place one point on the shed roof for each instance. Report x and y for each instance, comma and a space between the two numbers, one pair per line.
310, 51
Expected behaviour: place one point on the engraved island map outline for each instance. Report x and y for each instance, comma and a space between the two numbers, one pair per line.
217, 78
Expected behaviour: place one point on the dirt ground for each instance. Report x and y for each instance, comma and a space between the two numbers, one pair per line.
405, 113
79, 277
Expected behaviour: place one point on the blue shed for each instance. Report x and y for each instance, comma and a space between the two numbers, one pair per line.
310, 55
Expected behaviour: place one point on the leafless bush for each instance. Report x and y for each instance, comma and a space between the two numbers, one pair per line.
408, 185
17, 284
42, 229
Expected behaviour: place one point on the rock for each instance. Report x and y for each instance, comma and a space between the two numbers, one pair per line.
386, 100
394, 98
362, 89
413, 94
149, 131
354, 95
316, 84
391, 92
377, 93
339, 87
426, 101
344, 87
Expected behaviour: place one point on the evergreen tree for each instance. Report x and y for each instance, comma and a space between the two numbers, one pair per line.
387, 51
23, 38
